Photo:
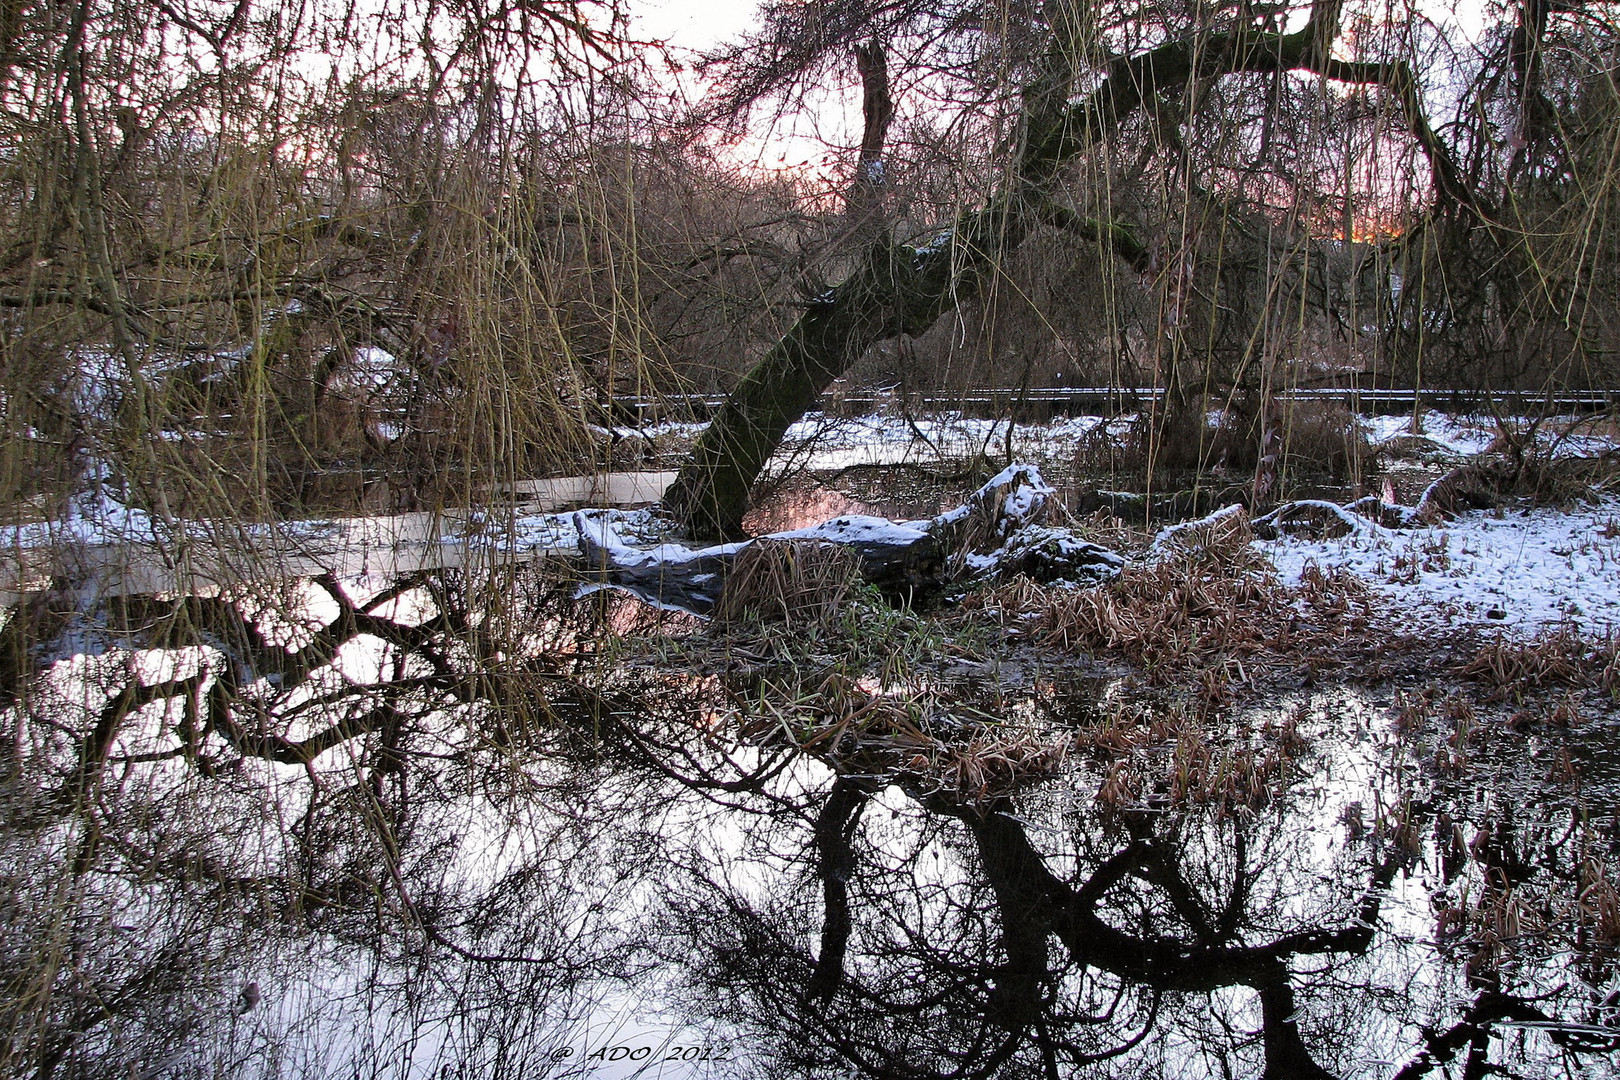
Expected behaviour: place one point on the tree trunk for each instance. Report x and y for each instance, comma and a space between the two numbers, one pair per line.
901, 290
895, 290
864, 204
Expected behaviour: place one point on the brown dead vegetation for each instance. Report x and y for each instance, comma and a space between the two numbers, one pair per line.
1170, 757
1557, 657
1312, 441
798, 582
1208, 604
1325, 437
1577, 907
918, 739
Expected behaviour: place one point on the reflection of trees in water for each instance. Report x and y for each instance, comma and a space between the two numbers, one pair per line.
1167, 944
428, 829
375, 822
949, 947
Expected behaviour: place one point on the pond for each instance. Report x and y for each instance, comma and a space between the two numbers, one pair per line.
456, 822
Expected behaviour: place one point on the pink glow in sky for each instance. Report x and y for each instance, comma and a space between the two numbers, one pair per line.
797, 143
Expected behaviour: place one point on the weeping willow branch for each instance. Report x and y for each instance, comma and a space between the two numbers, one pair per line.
899, 290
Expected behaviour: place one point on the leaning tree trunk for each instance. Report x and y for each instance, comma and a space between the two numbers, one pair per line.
902, 290
712, 492
895, 291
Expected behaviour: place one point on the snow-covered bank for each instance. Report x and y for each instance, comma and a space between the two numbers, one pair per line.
824, 442
1461, 435
1464, 435
1519, 569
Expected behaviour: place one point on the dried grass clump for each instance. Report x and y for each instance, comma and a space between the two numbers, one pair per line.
1315, 438
1166, 757
997, 762
1188, 610
1556, 657
1209, 602
1131, 727
1325, 437
1010, 600
1605, 660
799, 582
1222, 539
1498, 915
1536, 479
1226, 778
914, 739
1597, 911
1109, 449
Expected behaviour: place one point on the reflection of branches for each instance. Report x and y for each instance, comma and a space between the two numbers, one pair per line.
94, 749
835, 862
195, 867
1474, 1032
961, 980
287, 751
248, 668
1170, 963
487, 874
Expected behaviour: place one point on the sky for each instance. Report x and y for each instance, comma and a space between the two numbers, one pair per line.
692, 24
795, 144
697, 25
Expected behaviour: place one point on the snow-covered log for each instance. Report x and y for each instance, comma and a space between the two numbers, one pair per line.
1310, 517
997, 530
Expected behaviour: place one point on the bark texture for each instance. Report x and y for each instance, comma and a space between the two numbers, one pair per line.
864, 205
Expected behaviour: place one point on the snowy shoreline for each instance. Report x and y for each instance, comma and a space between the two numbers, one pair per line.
1517, 570
1520, 570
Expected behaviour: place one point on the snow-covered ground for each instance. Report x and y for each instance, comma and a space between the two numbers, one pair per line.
1463, 435
1522, 570
820, 441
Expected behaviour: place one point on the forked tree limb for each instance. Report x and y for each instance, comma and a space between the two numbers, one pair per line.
899, 290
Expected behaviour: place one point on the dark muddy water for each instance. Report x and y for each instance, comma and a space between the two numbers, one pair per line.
457, 826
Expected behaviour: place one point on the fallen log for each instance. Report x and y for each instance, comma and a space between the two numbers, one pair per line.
1479, 485
998, 530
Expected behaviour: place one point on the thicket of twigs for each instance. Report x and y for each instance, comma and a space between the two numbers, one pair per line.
258, 256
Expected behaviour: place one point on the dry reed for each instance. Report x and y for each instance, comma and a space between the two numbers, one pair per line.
918, 739
798, 582
1209, 602
1559, 656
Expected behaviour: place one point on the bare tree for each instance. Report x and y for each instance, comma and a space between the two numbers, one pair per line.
902, 289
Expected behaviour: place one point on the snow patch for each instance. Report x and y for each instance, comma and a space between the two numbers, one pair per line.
855, 528
1523, 569
1461, 435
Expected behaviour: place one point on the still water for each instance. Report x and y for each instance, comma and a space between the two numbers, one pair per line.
448, 823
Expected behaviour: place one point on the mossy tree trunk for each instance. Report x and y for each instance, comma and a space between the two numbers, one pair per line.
895, 291
899, 290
